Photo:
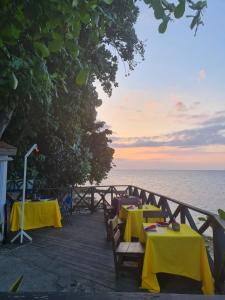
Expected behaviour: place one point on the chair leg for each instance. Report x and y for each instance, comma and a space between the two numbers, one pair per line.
140, 266
116, 262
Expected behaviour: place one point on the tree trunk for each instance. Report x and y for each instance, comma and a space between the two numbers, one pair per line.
5, 118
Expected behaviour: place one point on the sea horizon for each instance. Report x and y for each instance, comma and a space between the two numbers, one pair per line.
202, 188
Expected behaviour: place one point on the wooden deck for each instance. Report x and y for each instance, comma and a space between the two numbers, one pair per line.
76, 258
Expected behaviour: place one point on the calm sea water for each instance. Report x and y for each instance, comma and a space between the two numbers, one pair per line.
203, 189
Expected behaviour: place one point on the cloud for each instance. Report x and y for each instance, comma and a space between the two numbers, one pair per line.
127, 108
195, 104
217, 118
210, 132
202, 74
180, 106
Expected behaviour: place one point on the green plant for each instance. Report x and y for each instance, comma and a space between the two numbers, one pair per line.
221, 214
15, 286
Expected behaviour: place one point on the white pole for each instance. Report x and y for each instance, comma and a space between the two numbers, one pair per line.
22, 233
3, 183
23, 198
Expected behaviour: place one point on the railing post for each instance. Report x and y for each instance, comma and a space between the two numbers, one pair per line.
219, 255
111, 190
143, 196
71, 195
92, 199
130, 190
182, 215
136, 194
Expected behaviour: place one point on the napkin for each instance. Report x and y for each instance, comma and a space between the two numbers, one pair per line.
151, 228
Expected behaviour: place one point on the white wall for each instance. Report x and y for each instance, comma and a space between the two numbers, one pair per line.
3, 183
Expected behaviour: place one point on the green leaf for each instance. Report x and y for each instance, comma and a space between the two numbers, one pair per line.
158, 9
194, 22
72, 46
82, 77
221, 214
41, 49
162, 27
74, 3
13, 81
108, 1
14, 288
55, 45
76, 28
202, 219
180, 9
10, 31
200, 5
85, 17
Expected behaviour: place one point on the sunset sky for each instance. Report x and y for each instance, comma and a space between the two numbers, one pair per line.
170, 112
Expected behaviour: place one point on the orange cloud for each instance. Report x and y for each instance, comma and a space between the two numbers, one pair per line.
205, 157
141, 153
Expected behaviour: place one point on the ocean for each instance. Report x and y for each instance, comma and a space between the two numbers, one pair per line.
203, 189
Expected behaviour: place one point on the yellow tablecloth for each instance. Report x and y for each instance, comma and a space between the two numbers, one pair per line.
36, 214
181, 253
134, 220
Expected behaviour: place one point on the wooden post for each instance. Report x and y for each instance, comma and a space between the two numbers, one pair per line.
71, 195
92, 199
182, 215
130, 190
143, 197
219, 255
136, 194
152, 200
111, 190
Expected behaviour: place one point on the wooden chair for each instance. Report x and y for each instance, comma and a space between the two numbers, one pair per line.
159, 214
127, 255
109, 213
66, 207
108, 209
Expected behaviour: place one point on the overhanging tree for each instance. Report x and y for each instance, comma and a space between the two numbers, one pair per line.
51, 52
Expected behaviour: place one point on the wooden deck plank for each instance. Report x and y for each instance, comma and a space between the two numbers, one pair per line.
106, 296
76, 258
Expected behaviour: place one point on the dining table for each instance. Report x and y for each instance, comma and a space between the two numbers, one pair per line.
37, 214
134, 219
118, 201
175, 252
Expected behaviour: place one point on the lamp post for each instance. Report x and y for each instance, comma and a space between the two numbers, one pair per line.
22, 233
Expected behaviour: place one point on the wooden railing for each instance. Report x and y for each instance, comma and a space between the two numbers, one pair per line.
92, 197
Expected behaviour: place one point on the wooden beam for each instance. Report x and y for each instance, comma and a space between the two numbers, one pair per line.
176, 213
167, 208
219, 255
152, 200
143, 196
182, 214
190, 219
205, 225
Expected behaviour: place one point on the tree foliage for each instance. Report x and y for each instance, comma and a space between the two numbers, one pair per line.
51, 53
166, 11
55, 101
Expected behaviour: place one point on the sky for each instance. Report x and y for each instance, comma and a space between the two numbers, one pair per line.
170, 112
